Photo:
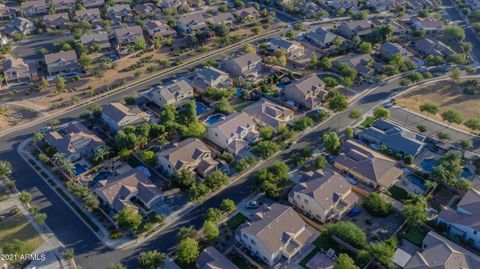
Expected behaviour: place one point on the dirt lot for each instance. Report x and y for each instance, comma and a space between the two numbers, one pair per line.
446, 95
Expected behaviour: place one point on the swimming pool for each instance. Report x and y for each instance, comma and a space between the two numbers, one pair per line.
201, 108
428, 164
466, 173
417, 181
281, 86
213, 119
79, 169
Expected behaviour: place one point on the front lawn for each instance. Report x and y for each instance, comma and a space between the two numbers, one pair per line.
236, 221
17, 227
241, 105
415, 236
398, 193
366, 123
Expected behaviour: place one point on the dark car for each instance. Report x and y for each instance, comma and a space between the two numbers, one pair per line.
355, 211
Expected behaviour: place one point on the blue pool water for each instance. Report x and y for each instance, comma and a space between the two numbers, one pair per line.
428, 164
201, 108
100, 176
466, 173
417, 181
281, 86
213, 119
239, 92
79, 169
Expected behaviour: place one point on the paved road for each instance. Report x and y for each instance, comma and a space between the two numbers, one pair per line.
72, 232
28, 49
455, 15
412, 121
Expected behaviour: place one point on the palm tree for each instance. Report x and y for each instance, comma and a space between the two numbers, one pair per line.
58, 158
101, 153
67, 167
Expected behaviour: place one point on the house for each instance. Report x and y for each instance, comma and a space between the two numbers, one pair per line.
75, 141
155, 28
388, 49
63, 5
440, 253
324, 196
172, 93
7, 13
127, 35
91, 15
275, 234
308, 91
171, 3
222, 18
320, 37
366, 165
464, 221
381, 5
93, 3
93, 40
62, 62
246, 65
16, 71
359, 62
191, 154
20, 26
56, 21
429, 25
394, 137
210, 77
192, 22
118, 191
147, 10
234, 133
431, 46
34, 8
350, 29
119, 13
246, 14
269, 114
117, 116
293, 49
211, 258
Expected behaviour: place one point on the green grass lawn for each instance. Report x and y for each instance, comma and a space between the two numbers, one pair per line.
398, 193
236, 221
17, 227
366, 123
415, 236
322, 242
324, 76
242, 104
240, 262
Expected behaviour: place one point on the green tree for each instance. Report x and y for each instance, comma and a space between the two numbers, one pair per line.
85, 60
380, 113
452, 116
265, 149
185, 232
101, 153
355, 113
454, 32
184, 178
415, 211
337, 102
320, 162
228, 206
429, 108
59, 83
266, 133
40, 218
116, 266
37, 137
214, 214
25, 197
187, 251
15, 249
382, 251
68, 254
455, 75
348, 232
349, 132
128, 218
151, 259
325, 63
377, 206
210, 230
5, 168
216, 180
345, 262
140, 44
314, 60
332, 142
365, 48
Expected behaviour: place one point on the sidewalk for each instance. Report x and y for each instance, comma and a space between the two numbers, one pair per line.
50, 253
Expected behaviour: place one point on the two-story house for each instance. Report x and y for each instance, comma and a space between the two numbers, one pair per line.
293, 49
155, 28
127, 35
269, 114
350, 29
193, 22
247, 65
464, 221
117, 116
99, 40
171, 94
16, 71
191, 154
324, 196
34, 8
75, 141
93, 3
308, 92
63, 5
91, 15
119, 13
56, 21
211, 258
7, 13
389, 49
275, 234
210, 77
233, 133
62, 62
147, 10
431, 46
321, 38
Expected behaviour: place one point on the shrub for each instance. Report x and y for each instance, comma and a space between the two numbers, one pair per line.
377, 206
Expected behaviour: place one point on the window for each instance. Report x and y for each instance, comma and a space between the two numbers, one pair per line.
253, 242
306, 201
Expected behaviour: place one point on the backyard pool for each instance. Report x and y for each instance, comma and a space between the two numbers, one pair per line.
466, 173
79, 169
201, 108
100, 176
213, 119
417, 181
281, 86
428, 165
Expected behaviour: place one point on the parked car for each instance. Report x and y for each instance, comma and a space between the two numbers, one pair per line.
355, 211
253, 205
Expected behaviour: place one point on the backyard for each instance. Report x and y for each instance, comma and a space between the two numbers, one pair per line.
447, 96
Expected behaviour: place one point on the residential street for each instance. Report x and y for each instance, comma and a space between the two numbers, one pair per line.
89, 252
